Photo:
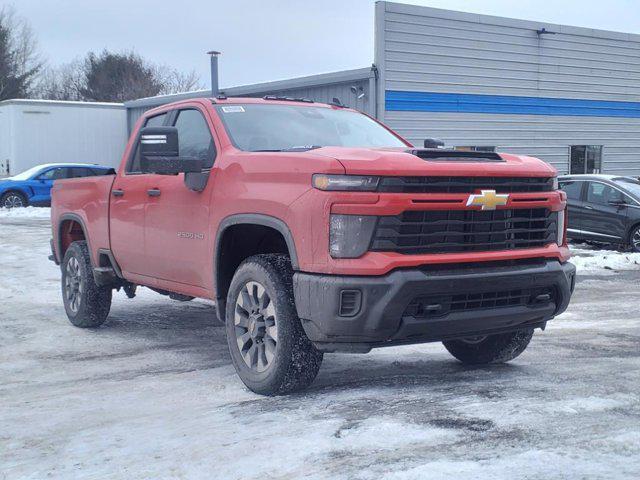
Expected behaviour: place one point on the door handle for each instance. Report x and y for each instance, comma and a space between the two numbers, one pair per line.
153, 192
117, 192
588, 207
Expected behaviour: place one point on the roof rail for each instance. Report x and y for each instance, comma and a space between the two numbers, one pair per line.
287, 99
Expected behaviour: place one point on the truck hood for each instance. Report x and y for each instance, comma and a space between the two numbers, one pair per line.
401, 162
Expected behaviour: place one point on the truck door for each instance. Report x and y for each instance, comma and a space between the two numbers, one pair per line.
127, 211
178, 244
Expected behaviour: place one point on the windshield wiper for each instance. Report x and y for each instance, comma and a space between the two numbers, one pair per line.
302, 148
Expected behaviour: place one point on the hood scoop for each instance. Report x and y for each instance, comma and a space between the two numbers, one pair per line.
442, 155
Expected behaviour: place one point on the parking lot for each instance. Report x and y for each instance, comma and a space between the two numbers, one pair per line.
152, 393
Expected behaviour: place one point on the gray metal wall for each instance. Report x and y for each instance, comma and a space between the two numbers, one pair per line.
320, 88
326, 94
421, 49
133, 114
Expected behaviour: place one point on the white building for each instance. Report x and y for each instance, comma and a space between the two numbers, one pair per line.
33, 132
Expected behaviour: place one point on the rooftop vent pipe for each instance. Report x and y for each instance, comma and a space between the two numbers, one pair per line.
214, 72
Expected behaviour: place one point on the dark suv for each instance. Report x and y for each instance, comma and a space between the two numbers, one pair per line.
603, 208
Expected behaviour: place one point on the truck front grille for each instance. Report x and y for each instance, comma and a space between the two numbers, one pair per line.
450, 231
434, 306
464, 184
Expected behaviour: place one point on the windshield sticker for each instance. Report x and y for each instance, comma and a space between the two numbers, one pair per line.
233, 109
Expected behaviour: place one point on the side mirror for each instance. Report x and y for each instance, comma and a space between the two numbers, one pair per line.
159, 153
433, 143
617, 203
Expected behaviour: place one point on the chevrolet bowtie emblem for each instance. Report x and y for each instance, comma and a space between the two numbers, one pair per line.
488, 199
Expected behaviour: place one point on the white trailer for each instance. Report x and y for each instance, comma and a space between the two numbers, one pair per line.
33, 132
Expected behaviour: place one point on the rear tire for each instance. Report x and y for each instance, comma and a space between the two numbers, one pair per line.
13, 200
87, 304
269, 349
499, 348
634, 239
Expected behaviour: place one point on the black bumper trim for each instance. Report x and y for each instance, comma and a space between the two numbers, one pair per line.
380, 321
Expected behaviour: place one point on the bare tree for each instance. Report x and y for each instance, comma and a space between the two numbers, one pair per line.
60, 83
19, 59
174, 81
112, 77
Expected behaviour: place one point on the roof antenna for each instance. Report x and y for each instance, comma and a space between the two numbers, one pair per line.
336, 101
214, 72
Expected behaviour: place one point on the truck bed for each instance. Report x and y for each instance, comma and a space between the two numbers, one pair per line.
83, 201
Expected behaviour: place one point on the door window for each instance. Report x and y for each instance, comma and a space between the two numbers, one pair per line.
586, 159
194, 137
572, 189
56, 174
156, 121
601, 194
81, 172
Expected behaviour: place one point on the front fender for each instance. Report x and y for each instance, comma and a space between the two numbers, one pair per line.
15, 187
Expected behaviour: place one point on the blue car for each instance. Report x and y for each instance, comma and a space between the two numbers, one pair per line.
33, 187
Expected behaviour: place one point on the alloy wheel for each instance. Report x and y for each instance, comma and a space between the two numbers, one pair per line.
635, 240
74, 285
13, 201
255, 326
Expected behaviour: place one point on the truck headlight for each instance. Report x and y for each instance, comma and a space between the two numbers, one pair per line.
350, 235
345, 183
560, 234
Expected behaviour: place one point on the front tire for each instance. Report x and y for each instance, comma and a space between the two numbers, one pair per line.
269, 349
87, 304
499, 348
13, 200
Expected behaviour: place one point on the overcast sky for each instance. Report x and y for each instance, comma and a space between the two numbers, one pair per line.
270, 39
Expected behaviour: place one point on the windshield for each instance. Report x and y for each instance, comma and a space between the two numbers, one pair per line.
630, 185
27, 174
258, 128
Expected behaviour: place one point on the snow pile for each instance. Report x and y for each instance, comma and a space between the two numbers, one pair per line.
27, 212
590, 260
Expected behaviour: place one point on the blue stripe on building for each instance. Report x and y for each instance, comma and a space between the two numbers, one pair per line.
505, 104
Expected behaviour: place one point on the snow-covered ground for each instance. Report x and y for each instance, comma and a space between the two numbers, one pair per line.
591, 259
28, 212
152, 394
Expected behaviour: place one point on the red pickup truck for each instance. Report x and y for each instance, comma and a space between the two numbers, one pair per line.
317, 229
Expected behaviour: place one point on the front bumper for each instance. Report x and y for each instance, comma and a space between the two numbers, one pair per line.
381, 316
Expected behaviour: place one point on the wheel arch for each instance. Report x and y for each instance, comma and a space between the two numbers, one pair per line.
222, 266
25, 192
67, 233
